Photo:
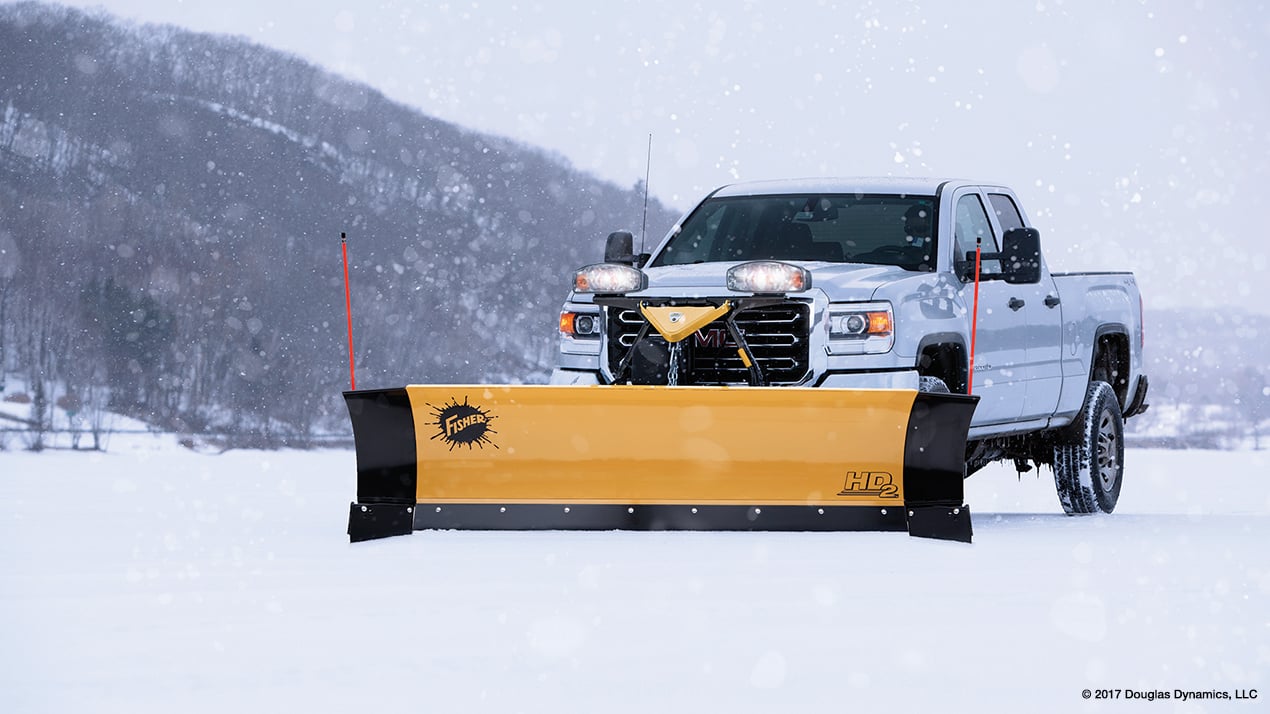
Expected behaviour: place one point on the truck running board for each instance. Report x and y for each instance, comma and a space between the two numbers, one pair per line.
476, 457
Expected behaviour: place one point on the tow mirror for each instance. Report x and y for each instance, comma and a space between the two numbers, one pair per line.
1021, 256
620, 248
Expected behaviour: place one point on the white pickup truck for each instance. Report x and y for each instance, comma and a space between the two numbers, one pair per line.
871, 283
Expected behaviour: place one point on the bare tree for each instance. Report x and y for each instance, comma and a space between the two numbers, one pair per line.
37, 378
8, 268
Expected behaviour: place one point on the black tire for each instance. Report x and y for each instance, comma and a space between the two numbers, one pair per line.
932, 384
1089, 459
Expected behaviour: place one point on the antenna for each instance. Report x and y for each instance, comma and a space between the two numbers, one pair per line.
348, 310
648, 166
974, 317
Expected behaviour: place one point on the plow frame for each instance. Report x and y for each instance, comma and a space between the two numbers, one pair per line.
734, 306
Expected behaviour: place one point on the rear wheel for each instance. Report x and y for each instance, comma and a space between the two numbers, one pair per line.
1089, 460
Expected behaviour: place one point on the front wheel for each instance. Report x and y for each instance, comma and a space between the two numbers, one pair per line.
1089, 459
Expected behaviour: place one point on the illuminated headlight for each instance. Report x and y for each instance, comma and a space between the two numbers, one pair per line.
861, 328
768, 276
609, 278
580, 325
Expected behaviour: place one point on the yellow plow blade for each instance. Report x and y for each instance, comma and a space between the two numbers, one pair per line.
653, 457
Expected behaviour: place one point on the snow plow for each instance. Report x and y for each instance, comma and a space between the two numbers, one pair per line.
793, 355
638, 457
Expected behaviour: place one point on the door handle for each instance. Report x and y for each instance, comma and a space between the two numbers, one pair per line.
1015, 304
1052, 300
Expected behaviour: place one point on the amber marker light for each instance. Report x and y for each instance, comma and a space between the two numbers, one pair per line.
566, 323
879, 323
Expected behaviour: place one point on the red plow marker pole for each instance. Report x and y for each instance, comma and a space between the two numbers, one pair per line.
348, 311
974, 320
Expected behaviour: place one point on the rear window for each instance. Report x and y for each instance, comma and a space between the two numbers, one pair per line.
880, 229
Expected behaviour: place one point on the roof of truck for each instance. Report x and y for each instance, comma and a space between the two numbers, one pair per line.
874, 184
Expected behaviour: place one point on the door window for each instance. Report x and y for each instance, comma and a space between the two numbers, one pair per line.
1007, 213
971, 225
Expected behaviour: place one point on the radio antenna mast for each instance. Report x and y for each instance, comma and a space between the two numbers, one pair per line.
348, 310
648, 165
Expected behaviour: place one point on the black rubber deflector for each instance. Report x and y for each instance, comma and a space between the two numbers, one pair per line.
942, 522
387, 471
935, 448
935, 465
367, 521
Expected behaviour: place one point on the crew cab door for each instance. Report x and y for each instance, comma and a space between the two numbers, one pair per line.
1043, 315
1001, 342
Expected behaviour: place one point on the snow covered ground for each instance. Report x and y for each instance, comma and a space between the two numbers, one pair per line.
155, 579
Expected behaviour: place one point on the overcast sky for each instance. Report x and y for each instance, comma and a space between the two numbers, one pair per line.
1135, 132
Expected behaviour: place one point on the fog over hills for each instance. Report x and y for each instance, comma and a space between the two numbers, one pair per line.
170, 211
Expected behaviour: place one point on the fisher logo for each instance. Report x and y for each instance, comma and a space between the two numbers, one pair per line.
463, 424
878, 484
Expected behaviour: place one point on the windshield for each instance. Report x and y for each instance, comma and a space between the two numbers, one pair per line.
880, 229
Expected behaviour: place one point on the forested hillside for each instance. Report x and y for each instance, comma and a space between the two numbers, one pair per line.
170, 211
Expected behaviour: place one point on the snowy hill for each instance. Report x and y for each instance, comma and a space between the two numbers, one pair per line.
171, 205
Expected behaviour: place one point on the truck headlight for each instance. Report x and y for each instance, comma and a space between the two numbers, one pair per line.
609, 278
768, 276
580, 325
861, 328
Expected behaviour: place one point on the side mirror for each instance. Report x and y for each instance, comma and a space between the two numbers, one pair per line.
1021, 256
620, 248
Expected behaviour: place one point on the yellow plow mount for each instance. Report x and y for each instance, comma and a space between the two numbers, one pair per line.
658, 458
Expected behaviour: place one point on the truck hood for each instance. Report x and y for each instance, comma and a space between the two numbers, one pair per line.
838, 280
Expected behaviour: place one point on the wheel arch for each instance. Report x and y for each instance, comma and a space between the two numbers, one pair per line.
1112, 345
944, 355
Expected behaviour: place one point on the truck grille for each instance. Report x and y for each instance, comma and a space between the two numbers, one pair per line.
777, 335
